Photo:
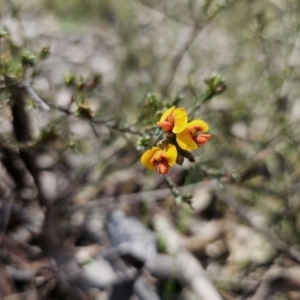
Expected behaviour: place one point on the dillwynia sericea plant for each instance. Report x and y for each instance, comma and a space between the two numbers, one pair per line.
181, 136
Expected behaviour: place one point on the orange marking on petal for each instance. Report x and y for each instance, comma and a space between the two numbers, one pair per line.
167, 114
193, 132
148, 158
158, 156
185, 140
173, 119
198, 125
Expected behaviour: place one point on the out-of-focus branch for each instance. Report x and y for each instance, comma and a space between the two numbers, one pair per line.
179, 195
11, 161
278, 244
164, 12
284, 88
175, 62
6, 201
278, 280
109, 123
188, 267
178, 57
49, 238
23, 135
36, 97
152, 195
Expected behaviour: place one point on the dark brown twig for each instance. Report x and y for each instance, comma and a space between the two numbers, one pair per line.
23, 135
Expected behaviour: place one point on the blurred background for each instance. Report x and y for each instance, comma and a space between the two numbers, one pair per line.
82, 84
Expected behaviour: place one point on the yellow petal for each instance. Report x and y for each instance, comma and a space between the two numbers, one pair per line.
166, 114
170, 154
147, 160
185, 140
180, 119
199, 125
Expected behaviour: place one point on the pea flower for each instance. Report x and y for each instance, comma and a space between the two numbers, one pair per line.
160, 159
173, 120
190, 138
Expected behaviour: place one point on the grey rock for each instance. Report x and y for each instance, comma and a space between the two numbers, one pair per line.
132, 239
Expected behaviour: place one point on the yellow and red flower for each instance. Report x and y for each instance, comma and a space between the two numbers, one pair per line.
180, 138
160, 159
173, 120
190, 138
